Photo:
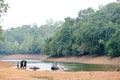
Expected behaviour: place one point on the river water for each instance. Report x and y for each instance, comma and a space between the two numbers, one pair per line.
43, 65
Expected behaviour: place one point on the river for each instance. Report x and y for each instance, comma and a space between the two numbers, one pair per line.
43, 65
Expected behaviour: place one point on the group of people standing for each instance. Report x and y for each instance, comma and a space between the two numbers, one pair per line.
22, 64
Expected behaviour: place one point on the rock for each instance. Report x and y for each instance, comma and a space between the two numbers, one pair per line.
34, 68
117, 69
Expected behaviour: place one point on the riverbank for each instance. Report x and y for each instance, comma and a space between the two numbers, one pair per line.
8, 73
23, 56
82, 59
88, 60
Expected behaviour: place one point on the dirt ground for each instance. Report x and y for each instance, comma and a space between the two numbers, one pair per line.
7, 73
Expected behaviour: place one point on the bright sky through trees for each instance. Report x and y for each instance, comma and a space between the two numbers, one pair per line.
38, 11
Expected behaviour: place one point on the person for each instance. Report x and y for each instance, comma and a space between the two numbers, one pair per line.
21, 64
18, 65
55, 63
61, 68
25, 64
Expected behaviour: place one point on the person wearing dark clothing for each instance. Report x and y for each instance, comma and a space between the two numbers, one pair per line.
25, 64
21, 64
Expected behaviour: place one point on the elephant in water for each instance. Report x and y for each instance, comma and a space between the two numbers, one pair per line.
56, 67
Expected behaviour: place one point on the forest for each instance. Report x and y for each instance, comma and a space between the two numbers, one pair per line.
27, 39
92, 32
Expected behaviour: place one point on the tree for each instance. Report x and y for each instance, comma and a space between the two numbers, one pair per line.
3, 9
91, 33
118, 1
112, 46
27, 39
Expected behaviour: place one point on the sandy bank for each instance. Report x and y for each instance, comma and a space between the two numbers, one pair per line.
88, 59
83, 59
7, 73
5, 64
25, 56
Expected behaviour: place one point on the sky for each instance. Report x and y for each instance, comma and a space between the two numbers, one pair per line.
23, 12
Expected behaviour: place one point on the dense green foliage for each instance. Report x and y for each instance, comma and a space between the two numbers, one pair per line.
27, 39
91, 33
3, 9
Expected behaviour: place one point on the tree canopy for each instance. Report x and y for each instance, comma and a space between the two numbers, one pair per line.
27, 39
92, 33
3, 9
